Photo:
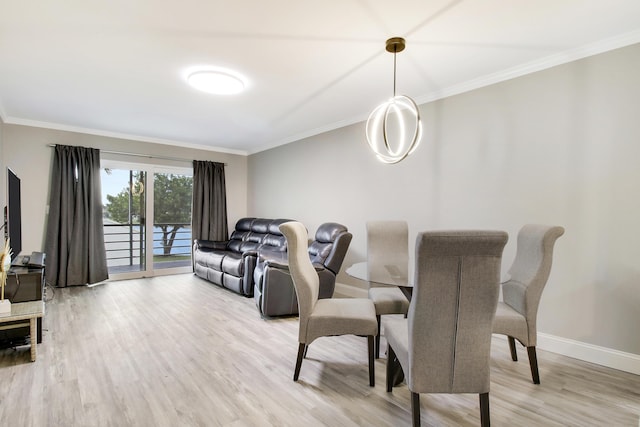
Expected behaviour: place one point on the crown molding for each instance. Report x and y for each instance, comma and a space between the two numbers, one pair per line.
66, 128
547, 62
308, 134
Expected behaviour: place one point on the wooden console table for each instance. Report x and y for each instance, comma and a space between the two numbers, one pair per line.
24, 314
25, 284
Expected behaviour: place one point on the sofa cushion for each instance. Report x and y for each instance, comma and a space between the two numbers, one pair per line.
278, 243
254, 237
274, 240
261, 225
235, 245
233, 264
209, 258
250, 245
274, 226
322, 246
214, 276
328, 232
239, 235
244, 224
233, 283
319, 251
211, 244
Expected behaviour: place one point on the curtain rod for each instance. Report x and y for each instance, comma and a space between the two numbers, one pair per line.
148, 156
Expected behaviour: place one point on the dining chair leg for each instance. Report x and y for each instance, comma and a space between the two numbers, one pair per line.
302, 349
378, 338
485, 420
533, 362
372, 361
391, 361
395, 375
512, 347
415, 409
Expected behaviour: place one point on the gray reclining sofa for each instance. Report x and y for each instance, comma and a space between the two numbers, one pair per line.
253, 262
230, 263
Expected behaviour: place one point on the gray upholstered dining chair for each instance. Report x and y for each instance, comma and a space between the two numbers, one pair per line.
444, 344
324, 317
517, 313
387, 243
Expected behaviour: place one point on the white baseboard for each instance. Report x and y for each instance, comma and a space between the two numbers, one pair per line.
604, 356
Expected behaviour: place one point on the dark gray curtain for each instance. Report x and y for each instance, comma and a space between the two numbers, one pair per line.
209, 217
75, 240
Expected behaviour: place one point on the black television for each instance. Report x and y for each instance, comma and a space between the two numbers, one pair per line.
12, 213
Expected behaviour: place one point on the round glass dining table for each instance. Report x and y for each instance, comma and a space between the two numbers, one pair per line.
383, 274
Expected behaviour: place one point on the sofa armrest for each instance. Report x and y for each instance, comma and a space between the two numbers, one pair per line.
282, 264
276, 263
318, 266
251, 253
210, 244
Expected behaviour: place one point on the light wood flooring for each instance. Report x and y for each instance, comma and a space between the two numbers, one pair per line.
179, 351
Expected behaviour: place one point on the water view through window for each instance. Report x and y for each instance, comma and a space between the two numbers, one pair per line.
126, 216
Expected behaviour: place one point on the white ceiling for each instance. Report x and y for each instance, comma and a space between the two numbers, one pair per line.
117, 67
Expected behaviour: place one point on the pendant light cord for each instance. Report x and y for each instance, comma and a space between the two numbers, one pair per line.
394, 72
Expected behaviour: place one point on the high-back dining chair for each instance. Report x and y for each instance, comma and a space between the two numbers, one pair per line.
324, 317
516, 315
387, 244
444, 344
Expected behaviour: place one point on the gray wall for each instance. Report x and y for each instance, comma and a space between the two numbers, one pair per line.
26, 151
560, 146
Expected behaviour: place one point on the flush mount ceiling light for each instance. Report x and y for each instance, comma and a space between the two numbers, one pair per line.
394, 128
217, 81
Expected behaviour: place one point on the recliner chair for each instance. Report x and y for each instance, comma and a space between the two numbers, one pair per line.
274, 292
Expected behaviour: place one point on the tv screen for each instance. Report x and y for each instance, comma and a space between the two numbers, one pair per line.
13, 228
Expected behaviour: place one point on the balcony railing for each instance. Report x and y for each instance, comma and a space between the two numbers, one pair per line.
125, 247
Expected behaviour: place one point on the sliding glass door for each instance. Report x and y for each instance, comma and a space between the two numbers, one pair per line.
146, 207
124, 212
171, 220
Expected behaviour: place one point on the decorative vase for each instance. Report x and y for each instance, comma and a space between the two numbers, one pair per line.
5, 265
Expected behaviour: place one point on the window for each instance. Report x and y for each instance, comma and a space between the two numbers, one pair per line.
136, 196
